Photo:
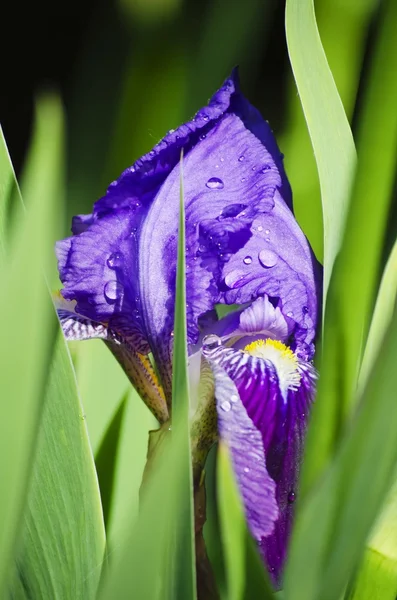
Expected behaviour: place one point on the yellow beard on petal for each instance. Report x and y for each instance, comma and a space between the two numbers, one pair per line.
283, 359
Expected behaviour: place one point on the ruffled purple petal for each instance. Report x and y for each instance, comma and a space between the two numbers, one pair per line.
236, 192
281, 419
136, 366
231, 199
98, 268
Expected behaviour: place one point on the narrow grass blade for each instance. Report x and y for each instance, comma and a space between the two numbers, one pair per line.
352, 288
358, 268
344, 31
144, 562
377, 578
8, 190
160, 542
337, 515
328, 126
63, 539
245, 574
186, 582
377, 575
29, 325
382, 316
106, 459
232, 527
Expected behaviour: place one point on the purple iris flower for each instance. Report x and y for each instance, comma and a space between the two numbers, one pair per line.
244, 247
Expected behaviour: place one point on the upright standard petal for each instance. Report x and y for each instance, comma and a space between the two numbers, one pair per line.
276, 390
242, 239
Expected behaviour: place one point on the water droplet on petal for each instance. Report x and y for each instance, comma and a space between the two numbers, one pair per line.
267, 258
233, 398
226, 406
210, 342
206, 118
115, 260
241, 158
243, 179
203, 136
112, 291
246, 470
254, 168
233, 278
247, 260
291, 497
222, 159
305, 310
290, 314
267, 231
266, 168
260, 228
215, 183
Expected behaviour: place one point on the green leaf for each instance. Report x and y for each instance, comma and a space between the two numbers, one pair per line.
63, 539
106, 458
358, 269
185, 587
160, 542
336, 516
328, 126
377, 575
245, 574
8, 189
352, 287
28, 329
382, 316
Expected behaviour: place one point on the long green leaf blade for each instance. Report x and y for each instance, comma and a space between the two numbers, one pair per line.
186, 583
61, 545
27, 336
63, 538
328, 126
337, 515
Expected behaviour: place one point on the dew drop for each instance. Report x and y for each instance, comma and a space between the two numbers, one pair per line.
233, 398
241, 158
290, 314
267, 231
305, 310
243, 179
206, 118
215, 183
232, 210
247, 260
203, 136
222, 159
210, 342
260, 228
266, 168
115, 260
232, 278
246, 470
291, 497
112, 291
267, 258
226, 406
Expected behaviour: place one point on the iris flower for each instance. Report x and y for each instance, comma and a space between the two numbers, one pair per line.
251, 374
